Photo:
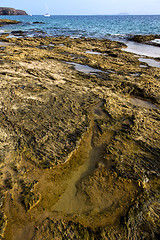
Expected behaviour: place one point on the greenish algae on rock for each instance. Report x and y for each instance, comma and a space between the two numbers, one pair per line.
79, 159
7, 21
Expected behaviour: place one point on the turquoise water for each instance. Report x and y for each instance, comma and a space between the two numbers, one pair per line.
87, 26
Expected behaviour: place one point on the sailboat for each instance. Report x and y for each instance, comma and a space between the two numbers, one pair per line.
47, 14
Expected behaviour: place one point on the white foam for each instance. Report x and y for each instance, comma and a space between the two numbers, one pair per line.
156, 41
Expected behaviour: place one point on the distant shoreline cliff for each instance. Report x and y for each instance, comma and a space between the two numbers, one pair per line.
11, 11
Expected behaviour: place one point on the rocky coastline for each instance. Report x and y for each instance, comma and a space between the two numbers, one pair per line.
146, 39
11, 11
79, 140
7, 22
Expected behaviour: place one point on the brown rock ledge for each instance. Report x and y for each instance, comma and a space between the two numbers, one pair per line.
7, 21
146, 39
78, 158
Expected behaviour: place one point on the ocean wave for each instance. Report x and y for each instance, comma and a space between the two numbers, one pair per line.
115, 27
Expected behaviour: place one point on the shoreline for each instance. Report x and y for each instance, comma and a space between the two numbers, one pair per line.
25, 31
45, 106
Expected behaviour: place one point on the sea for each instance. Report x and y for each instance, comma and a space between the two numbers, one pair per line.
97, 26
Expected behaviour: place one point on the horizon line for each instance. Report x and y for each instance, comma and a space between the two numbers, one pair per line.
118, 14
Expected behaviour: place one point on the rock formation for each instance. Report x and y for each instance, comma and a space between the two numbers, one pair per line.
79, 151
11, 11
7, 21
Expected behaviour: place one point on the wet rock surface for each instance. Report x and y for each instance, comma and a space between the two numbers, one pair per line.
147, 39
79, 154
7, 21
143, 38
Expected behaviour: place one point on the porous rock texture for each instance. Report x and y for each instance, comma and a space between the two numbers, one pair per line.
79, 158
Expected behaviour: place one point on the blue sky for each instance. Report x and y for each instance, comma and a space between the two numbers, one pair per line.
85, 7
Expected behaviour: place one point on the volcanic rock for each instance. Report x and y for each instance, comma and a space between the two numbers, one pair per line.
79, 152
11, 11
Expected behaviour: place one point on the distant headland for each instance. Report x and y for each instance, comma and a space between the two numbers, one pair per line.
11, 11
